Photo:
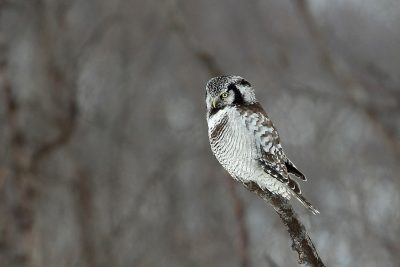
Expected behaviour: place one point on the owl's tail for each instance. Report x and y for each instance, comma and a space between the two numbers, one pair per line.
294, 186
306, 204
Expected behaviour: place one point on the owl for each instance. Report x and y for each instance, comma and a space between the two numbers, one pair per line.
245, 141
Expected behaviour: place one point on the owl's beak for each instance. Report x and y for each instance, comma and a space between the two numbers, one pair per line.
214, 102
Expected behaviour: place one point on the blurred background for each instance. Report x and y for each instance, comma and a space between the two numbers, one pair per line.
105, 160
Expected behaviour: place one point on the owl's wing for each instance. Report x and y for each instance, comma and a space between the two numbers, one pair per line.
273, 160
291, 168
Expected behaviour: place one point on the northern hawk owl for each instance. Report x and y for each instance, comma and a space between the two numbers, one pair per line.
245, 141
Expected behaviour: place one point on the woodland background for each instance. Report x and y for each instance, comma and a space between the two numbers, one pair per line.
105, 160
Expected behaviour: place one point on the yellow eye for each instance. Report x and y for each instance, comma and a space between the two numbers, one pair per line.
224, 95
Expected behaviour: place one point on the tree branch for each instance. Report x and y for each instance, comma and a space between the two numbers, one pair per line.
302, 243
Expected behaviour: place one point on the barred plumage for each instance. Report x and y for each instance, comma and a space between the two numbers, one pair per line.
245, 141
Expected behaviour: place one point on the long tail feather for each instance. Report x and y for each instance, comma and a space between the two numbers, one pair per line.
291, 168
307, 204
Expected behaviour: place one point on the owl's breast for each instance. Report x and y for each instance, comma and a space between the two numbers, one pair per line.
233, 145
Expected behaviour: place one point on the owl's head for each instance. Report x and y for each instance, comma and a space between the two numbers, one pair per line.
225, 91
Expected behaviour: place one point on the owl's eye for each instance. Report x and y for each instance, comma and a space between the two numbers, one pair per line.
224, 95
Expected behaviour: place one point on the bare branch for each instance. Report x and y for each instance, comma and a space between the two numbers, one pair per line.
301, 241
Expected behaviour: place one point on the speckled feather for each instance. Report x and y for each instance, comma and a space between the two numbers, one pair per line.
246, 143
248, 150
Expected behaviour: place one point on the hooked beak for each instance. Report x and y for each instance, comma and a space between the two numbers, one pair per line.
214, 102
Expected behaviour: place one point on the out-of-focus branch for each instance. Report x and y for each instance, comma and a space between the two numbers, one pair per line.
178, 25
97, 34
301, 242
19, 206
271, 262
353, 88
25, 155
66, 127
61, 78
243, 235
11, 109
126, 223
83, 199
207, 60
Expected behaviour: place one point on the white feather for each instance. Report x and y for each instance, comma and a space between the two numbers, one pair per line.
237, 149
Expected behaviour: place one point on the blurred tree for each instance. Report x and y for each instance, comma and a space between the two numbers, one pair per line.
105, 158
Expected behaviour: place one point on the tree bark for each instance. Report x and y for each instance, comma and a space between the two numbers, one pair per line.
301, 242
